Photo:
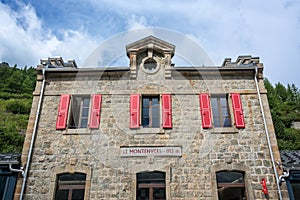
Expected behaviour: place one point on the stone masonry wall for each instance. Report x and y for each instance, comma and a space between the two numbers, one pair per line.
97, 152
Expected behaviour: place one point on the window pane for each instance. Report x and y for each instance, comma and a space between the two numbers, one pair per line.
84, 123
86, 102
146, 112
155, 122
142, 194
3, 181
62, 195
296, 189
151, 177
159, 194
217, 122
155, 112
230, 177
225, 111
85, 112
214, 103
231, 193
155, 102
72, 177
223, 101
227, 122
145, 102
146, 122
78, 195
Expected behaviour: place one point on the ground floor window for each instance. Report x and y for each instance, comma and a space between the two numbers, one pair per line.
8, 182
70, 186
151, 186
293, 185
231, 185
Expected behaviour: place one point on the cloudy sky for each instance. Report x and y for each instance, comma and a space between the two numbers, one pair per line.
35, 29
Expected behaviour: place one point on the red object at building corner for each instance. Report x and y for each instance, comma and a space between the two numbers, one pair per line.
264, 187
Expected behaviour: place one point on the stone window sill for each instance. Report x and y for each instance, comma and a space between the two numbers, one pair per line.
80, 131
150, 131
224, 130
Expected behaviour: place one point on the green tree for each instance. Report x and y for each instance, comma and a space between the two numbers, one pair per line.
285, 109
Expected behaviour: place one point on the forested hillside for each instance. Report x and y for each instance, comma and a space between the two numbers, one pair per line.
17, 85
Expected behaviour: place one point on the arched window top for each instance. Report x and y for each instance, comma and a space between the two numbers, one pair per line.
231, 185
230, 177
72, 177
151, 177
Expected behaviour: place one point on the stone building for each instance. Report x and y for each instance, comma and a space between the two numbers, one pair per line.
152, 130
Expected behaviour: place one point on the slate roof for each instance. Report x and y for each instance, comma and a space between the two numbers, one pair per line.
10, 158
290, 159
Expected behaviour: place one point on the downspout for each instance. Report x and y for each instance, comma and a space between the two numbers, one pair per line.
267, 133
33, 135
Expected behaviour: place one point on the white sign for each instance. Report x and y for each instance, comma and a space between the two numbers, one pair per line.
150, 151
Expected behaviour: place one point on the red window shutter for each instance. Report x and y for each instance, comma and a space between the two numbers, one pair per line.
237, 110
205, 110
62, 116
166, 111
95, 112
134, 111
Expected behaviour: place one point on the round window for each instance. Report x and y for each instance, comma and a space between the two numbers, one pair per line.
150, 65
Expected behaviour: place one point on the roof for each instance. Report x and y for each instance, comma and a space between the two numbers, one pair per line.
152, 43
290, 159
10, 158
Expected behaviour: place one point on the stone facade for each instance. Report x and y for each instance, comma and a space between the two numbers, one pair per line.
204, 151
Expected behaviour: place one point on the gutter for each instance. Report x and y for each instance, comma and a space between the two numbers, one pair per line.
282, 177
267, 133
16, 170
37, 116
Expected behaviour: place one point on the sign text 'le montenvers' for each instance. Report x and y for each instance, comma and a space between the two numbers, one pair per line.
150, 151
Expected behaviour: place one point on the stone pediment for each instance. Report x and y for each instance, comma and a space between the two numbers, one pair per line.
150, 42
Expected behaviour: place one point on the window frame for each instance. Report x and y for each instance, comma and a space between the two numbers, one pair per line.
152, 184
150, 111
71, 110
220, 112
226, 185
291, 181
70, 187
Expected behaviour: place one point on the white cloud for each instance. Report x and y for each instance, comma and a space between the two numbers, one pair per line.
136, 22
225, 29
24, 41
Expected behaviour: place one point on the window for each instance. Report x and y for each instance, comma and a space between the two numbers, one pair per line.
215, 109
151, 186
70, 186
79, 114
8, 182
293, 185
220, 111
231, 185
150, 65
150, 112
